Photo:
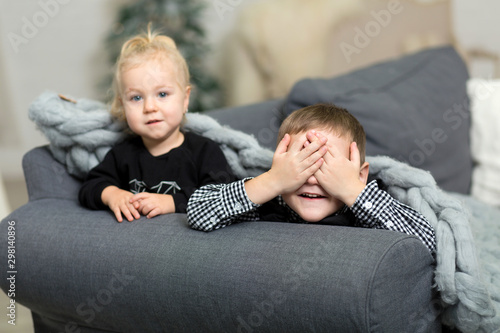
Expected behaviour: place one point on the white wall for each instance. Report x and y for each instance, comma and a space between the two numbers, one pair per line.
46, 45
477, 28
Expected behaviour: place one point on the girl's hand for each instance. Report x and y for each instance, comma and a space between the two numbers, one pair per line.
153, 204
118, 201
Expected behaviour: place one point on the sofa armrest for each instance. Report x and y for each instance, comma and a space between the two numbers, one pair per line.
47, 178
83, 269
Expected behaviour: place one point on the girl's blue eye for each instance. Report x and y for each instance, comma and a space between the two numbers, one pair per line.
136, 98
162, 94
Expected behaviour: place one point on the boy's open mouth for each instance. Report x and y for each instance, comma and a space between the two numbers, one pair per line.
152, 122
311, 196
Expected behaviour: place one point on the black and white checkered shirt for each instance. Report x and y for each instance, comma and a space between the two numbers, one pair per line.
218, 205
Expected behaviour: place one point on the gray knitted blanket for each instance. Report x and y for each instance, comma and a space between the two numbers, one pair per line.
80, 134
467, 273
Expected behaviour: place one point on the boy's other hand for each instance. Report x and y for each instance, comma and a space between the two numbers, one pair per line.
118, 201
293, 164
340, 176
294, 161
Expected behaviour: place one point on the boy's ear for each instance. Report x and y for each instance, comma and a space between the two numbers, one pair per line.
363, 172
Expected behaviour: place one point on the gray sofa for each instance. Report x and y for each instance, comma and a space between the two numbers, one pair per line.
81, 271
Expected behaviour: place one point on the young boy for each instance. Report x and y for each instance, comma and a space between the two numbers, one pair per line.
318, 175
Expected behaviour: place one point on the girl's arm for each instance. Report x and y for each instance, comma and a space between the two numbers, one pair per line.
103, 175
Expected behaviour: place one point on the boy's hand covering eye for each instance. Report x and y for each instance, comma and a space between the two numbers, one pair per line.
312, 136
293, 162
340, 176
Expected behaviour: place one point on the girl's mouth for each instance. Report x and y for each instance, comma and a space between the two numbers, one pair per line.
152, 122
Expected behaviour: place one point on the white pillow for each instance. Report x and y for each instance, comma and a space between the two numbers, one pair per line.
485, 139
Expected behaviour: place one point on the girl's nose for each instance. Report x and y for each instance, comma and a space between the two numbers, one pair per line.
149, 105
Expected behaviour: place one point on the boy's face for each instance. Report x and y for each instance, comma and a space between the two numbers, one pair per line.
311, 201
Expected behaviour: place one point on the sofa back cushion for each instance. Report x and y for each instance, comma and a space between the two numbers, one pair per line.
414, 109
48, 178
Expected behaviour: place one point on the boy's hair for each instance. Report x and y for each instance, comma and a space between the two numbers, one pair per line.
146, 46
328, 117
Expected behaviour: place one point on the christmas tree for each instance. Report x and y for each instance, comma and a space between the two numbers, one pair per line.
180, 20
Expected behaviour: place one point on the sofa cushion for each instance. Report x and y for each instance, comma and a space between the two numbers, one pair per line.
47, 178
414, 109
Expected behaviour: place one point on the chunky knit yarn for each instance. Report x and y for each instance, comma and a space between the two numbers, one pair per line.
469, 290
80, 134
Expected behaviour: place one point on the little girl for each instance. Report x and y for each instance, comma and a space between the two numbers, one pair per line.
156, 171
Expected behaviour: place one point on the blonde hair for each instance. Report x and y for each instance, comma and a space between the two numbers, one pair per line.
328, 117
146, 46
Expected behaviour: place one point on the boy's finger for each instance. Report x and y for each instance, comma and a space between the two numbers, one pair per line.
321, 137
316, 166
317, 155
315, 136
354, 153
328, 157
283, 144
313, 148
297, 144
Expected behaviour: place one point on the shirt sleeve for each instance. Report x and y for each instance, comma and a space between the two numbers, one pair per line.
101, 176
375, 208
215, 206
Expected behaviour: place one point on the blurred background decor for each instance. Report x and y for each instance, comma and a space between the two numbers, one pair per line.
275, 43
180, 20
